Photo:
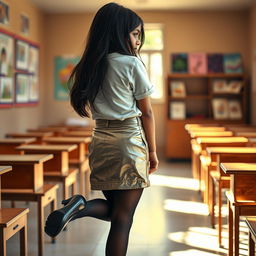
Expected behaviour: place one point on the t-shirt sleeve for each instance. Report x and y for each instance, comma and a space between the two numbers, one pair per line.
142, 87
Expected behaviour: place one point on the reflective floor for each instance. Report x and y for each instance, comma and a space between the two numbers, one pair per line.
171, 220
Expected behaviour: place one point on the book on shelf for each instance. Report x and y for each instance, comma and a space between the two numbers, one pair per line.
223, 86
233, 63
220, 108
234, 108
219, 86
235, 86
226, 109
177, 110
197, 63
178, 89
179, 62
215, 63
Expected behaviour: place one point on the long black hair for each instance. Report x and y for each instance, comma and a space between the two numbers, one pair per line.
109, 32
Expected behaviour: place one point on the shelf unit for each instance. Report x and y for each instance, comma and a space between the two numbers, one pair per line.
199, 108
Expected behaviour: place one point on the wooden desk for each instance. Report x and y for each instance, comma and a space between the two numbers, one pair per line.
38, 135
201, 143
243, 129
57, 169
219, 180
29, 170
77, 158
57, 131
12, 221
246, 134
8, 145
251, 223
77, 134
241, 198
196, 134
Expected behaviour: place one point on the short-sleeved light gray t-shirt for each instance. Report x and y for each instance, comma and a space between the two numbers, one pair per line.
126, 81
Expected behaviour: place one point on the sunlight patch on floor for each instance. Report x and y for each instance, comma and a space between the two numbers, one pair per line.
186, 207
191, 252
174, 182
203, 241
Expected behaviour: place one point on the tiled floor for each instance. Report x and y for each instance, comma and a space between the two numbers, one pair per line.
171, 220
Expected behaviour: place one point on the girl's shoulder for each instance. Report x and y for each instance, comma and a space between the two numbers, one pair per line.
120, 59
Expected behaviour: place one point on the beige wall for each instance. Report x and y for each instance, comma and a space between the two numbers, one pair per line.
183, 31
253, 55
18, 119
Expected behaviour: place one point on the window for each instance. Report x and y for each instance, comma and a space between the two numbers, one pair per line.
152, 56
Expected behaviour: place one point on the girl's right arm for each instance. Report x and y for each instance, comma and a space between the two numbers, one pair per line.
148, 123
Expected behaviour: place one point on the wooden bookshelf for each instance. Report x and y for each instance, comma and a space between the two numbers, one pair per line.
198, 101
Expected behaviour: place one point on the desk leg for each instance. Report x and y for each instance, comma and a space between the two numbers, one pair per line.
81, 180
251, 245
53, 208
230, 230
2, 242
219, 210
40, 226
23, 240
236, 230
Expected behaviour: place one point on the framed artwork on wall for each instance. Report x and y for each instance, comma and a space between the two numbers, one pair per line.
33, 88
63, 67
22, 55
4, 13
6, 54
33, 60
22, 88
24, 24
6, 91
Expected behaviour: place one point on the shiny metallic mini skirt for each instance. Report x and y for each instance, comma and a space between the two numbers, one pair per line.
118, 155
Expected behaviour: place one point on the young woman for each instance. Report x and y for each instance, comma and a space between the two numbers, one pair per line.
111, 83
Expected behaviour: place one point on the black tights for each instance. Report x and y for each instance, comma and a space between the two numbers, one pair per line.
119, 208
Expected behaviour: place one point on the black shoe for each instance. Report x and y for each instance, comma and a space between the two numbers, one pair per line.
58, 219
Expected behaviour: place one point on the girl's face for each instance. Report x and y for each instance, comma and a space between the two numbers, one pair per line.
135, 38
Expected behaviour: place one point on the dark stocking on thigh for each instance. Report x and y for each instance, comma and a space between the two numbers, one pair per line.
97, 208
123, 205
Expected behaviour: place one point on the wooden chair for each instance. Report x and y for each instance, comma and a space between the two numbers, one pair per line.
57, 169
251, 223
78, 158
12, 221
241, 199
77, 134
219, 180
29, 170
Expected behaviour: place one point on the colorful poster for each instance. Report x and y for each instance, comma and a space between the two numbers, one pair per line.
63, 67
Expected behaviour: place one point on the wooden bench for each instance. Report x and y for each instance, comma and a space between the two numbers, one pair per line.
8, 145
57, 169
38, 135
12, 221
29, 170
241, 199
78, 158
220, 180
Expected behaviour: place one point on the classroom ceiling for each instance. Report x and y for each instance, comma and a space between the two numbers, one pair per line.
71, 6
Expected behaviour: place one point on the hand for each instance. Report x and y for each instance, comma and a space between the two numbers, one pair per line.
153, 160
